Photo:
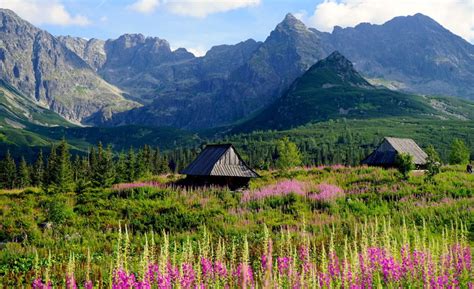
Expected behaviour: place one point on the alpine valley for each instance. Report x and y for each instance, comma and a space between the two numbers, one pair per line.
364, 81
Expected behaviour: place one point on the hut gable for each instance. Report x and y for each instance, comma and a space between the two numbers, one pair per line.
386, 152
219, 161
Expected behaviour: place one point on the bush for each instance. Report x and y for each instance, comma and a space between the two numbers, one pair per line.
404, 163
459, 154
57, 211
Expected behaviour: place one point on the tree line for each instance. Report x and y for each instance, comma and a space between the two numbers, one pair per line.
59, 171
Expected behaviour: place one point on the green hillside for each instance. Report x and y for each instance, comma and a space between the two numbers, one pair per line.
332, 89
19, 111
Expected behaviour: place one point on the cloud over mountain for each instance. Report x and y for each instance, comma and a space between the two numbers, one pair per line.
192, 8
44, 12
455, 15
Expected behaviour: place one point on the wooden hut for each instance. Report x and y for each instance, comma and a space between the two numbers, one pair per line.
386, 153
219, 165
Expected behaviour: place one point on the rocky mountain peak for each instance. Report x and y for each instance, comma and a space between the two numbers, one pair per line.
415, 21
10, 22
291, 24
336, 69
336, 61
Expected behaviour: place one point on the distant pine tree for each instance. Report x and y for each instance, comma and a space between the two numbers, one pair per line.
131, 165
121, 173
50, 174
64, 176
24, 179
37, 172
83, 182
103, 172
8, 172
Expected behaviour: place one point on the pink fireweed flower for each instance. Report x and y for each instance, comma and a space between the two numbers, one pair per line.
173, 272
188, 277
245, 277
88, 285
220, 269
129, 186
70, 282
326, 192
282, 188
122, 280
206, 267
38, 284
283, 264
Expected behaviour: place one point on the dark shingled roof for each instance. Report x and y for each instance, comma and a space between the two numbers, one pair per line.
219, 160
387, 151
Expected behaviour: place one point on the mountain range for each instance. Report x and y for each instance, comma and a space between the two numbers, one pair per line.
333, 89
140, 80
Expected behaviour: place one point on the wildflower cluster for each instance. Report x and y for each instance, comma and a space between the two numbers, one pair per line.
374, 259
129, 186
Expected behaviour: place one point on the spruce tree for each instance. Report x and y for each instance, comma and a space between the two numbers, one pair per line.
103, 173
64, 175
24, 179
131, 165
50, 174
37, 172
83, 182
121, 168
8, 172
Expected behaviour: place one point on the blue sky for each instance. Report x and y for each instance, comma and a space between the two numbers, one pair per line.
114, 18
200, 24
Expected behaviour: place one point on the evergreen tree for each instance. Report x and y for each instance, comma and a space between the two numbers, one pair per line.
130, 164
121, 174
7, 172
459, 154
50, 174
103, 173
37, 172
288, 154
83, 183
140, 165
24, 179
64, 175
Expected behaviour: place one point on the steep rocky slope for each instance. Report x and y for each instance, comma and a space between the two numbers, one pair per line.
41, 67
412, 53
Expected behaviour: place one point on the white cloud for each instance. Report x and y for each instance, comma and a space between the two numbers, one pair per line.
193, 8
301, 15
44, 12
455, 15
197, 51
202, 8
145, 6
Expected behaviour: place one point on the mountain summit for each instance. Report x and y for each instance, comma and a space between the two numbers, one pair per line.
333, 89
39, 66
335, 70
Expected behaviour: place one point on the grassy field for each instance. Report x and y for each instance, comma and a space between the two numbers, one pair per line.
327, 227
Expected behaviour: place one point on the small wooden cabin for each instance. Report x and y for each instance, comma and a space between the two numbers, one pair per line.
386, 152
219, 165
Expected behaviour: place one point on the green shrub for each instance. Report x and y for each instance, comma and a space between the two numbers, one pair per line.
405, 165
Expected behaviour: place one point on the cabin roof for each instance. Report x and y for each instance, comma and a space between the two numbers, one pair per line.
219, 160
386, 152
